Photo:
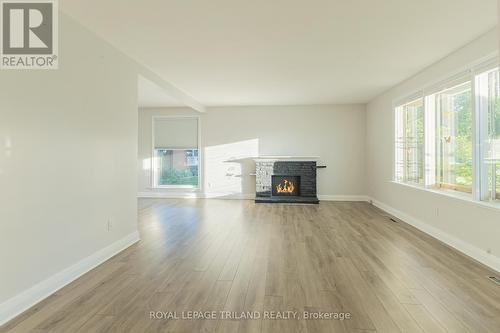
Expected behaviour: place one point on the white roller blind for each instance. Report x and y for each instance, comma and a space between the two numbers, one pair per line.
176, 133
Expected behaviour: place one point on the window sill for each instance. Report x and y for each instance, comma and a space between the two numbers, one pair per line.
493, 205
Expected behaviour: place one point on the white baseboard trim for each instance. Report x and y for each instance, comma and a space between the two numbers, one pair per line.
470, 250
234, 196
170, 195
196, 195
23, 301
238, 196
343, 197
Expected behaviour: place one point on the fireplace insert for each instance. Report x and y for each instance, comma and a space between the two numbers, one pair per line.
285, 186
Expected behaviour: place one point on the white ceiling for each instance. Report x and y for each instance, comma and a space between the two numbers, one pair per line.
150, 95
270, 52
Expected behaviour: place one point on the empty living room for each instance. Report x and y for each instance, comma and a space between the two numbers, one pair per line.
249, 166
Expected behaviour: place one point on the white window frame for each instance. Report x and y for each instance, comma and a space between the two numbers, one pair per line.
431, 116
200, 155
400, 103
480, 179
483, 189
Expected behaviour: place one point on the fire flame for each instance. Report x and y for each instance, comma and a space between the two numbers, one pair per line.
288, 187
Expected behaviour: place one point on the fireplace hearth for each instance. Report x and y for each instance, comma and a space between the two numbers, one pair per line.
285, 181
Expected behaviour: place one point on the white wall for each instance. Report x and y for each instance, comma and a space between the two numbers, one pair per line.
336, 133
68, 146
473, 228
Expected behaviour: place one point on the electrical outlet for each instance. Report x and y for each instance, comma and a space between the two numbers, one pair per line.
109, 225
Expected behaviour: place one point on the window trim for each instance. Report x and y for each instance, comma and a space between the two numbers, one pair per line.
411, 99
485, 192
453, 83
200, 154
467, 73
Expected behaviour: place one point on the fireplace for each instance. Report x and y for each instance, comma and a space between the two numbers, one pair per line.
288, 186
285, 181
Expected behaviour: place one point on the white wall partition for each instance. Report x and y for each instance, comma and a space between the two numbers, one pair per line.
68, 146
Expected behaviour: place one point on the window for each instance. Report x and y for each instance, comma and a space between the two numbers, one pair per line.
176, 157
488, 87
453, 135
449, 139
410, 142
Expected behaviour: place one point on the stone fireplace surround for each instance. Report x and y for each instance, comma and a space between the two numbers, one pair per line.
305, 168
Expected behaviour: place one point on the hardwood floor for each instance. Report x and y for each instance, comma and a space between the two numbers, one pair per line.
232, 255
